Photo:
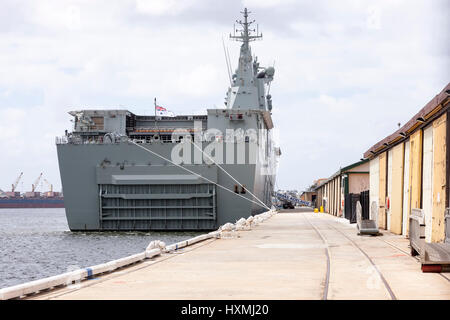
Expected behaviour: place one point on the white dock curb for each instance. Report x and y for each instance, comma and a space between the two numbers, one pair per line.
154, 249
68, 278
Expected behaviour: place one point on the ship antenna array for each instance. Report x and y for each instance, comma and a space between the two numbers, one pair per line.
196, 174
245, 33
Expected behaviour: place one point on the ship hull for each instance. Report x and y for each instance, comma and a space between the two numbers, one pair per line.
123, 171
120, 187
11, 203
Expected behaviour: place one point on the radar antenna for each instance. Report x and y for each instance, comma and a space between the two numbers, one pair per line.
245, 33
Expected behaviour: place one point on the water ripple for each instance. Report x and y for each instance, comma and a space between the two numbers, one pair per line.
37, 243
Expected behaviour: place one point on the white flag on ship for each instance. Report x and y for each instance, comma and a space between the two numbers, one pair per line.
163, 112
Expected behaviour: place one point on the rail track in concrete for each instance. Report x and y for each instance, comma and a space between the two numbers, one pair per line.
409, 255
296, 254
329, 260
328, 255
383, 279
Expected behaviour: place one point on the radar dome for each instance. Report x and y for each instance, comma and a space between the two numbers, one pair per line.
270, 71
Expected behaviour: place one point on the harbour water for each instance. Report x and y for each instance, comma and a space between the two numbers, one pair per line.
37, 243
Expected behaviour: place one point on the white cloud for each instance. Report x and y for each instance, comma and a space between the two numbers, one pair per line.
374, 18
57, 14
266, 3
346, 71
200, 81
163, 7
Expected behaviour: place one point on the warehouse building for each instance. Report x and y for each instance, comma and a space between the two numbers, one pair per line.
410, 169
333, 193
310, 193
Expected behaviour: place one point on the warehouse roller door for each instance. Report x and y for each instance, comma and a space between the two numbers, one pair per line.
374, 178
405, 189
427, 180
389, 190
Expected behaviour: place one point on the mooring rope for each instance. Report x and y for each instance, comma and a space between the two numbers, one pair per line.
229, 174
194, 173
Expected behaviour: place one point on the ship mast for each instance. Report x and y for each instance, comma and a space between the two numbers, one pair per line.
245, 37
248, 85
245, 71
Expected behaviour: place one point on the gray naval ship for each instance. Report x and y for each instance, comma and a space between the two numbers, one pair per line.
122, 171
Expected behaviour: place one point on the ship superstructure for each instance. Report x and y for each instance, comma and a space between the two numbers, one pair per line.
122, 171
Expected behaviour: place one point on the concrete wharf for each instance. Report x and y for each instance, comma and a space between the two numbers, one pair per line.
296, 254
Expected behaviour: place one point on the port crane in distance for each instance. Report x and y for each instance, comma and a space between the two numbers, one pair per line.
35, 184
50, 186
14, 185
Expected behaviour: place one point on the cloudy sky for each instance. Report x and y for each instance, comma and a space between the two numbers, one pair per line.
347, 71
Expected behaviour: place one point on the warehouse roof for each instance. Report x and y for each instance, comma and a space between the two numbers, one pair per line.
431, 109
341, 171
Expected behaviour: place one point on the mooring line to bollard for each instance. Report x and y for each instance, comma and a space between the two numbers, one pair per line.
235, 180
196, 174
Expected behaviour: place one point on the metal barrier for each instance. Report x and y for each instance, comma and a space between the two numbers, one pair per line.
416, 231
365, 226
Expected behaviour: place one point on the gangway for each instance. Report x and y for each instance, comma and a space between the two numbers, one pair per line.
297, 201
